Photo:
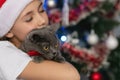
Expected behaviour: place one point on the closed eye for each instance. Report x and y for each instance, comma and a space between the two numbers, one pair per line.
28, 19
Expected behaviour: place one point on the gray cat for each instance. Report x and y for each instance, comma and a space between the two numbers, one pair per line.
45, 42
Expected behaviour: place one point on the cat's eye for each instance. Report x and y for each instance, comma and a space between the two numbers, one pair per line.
56, 45
45, 47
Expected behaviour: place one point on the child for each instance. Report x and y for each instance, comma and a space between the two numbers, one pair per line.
17, 18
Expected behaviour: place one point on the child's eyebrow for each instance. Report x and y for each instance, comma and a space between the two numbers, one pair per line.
29, 13
32, 11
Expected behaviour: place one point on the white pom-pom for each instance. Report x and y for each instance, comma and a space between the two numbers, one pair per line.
51, 3
92, 38
111, 42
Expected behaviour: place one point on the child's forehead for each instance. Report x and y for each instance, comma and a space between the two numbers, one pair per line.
34, 5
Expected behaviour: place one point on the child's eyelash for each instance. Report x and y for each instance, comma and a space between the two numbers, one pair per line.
28, 20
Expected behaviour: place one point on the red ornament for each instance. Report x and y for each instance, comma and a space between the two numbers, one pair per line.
73, 15
55, 17
86, 57
90, 4
93, 3
101, 48
2, 2
96, 76
117, 5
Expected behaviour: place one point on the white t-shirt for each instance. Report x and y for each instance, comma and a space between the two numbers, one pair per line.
12, 61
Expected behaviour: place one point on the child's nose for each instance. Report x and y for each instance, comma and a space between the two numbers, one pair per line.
41, 20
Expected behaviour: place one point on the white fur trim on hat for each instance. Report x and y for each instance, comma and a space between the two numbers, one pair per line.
9, 12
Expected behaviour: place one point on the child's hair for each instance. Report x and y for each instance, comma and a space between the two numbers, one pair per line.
9, 11
4, 38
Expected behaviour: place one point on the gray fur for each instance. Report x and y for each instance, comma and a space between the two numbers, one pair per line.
40, 39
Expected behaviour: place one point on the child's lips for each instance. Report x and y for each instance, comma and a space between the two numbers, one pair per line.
42, 26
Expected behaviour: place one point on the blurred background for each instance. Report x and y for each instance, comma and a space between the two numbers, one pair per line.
89, 34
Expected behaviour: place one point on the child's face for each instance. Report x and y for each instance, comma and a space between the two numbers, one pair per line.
33, 16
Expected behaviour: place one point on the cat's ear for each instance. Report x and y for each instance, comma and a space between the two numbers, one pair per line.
54, 27
35, 38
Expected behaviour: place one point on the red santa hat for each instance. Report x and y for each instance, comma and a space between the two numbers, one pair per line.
9, 11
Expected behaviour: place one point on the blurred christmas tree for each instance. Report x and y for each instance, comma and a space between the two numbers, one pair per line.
89, 35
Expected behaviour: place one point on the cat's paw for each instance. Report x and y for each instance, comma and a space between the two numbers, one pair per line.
60, 59
38, 59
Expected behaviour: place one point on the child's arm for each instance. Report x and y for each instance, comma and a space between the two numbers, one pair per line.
49, 70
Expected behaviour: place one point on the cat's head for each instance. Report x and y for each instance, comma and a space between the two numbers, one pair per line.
44, 33
44, 41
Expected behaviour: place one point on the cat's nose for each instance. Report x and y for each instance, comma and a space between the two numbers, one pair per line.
55, 53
